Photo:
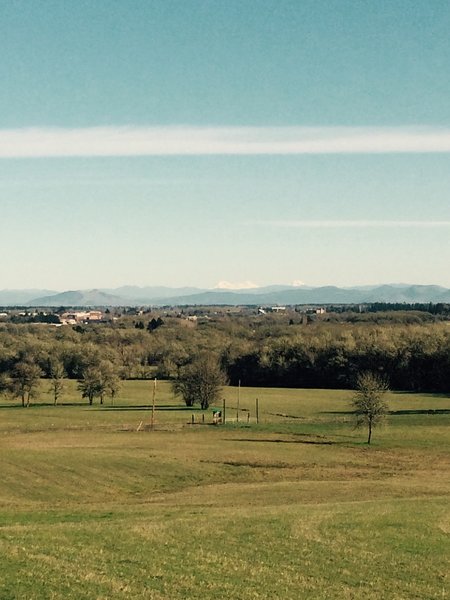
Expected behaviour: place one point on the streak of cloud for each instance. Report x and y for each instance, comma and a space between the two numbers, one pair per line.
188, 140
354, 224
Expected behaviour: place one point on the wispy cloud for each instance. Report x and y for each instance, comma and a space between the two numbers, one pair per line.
95, 181
354, 224
177, 140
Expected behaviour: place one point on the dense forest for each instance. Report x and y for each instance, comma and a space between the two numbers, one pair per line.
410, 348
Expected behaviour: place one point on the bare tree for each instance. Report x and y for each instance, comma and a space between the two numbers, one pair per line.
98, 381
370, 406
113, 385
109, 380
91, 385
57, 375
26, 380
200, 382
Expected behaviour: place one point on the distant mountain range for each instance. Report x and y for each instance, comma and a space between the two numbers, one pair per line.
21, 297
269, 295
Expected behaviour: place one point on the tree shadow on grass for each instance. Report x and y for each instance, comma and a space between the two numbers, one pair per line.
426, 394
43, 405
315, 442
336, 412
146, 407
413, 411
103, 407
429, 411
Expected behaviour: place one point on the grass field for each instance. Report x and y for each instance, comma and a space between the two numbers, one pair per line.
297, 506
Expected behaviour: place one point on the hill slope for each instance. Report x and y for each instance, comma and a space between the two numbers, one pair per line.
270, 295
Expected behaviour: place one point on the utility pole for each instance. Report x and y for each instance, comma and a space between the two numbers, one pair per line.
238, 401
153, 402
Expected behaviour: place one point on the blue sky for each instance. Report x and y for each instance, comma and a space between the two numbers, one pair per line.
191, 142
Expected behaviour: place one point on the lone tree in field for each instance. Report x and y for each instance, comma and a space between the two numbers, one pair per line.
91, 386
370, 407
201, 382
26, 380
98, 381
57, 375
109, 380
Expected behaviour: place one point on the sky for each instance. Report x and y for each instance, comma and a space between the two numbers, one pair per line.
248, 142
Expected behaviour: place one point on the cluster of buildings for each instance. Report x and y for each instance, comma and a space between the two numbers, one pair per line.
321, 310
80, 316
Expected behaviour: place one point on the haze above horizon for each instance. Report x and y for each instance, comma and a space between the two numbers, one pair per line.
186, 143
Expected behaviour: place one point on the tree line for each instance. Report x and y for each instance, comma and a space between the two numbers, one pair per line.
271, 350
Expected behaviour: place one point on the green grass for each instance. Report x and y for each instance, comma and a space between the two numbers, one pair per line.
297, 506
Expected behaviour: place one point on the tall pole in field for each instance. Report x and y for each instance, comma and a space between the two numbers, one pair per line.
257, 411
224, 416
238, 401
153, 402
